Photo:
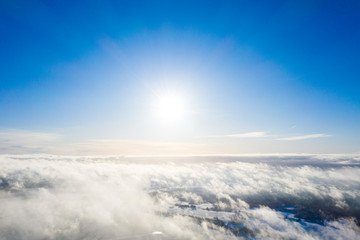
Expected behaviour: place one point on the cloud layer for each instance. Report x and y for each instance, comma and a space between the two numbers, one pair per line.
51, 197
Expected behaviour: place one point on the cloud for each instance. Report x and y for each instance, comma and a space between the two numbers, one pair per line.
23, 141
126, 147
12, 136
304, 137
16, 141
249, 135
78, 197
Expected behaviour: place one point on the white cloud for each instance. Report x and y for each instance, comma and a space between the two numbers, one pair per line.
52, 197
303, 137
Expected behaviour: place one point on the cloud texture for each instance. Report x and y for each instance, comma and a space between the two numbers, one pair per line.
52, 197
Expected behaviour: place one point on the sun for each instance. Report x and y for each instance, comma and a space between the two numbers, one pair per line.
171, 107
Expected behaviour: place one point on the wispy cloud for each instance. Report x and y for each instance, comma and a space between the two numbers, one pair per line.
249, 135
123, 146
16, 135
24, 141
304, 137
17, 141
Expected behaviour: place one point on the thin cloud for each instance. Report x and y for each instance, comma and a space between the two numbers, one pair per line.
18, 141
249, 135
123, 146
17, 135
24, 141
304, 137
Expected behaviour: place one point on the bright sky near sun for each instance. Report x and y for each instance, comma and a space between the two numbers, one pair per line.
179, 77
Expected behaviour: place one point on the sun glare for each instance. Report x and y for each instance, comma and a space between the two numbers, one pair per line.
170, 108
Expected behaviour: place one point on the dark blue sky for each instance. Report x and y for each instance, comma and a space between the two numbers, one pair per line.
283, 68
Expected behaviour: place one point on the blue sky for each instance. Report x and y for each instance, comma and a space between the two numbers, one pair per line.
256, 77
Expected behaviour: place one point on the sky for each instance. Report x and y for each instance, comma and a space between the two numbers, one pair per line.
179, 77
